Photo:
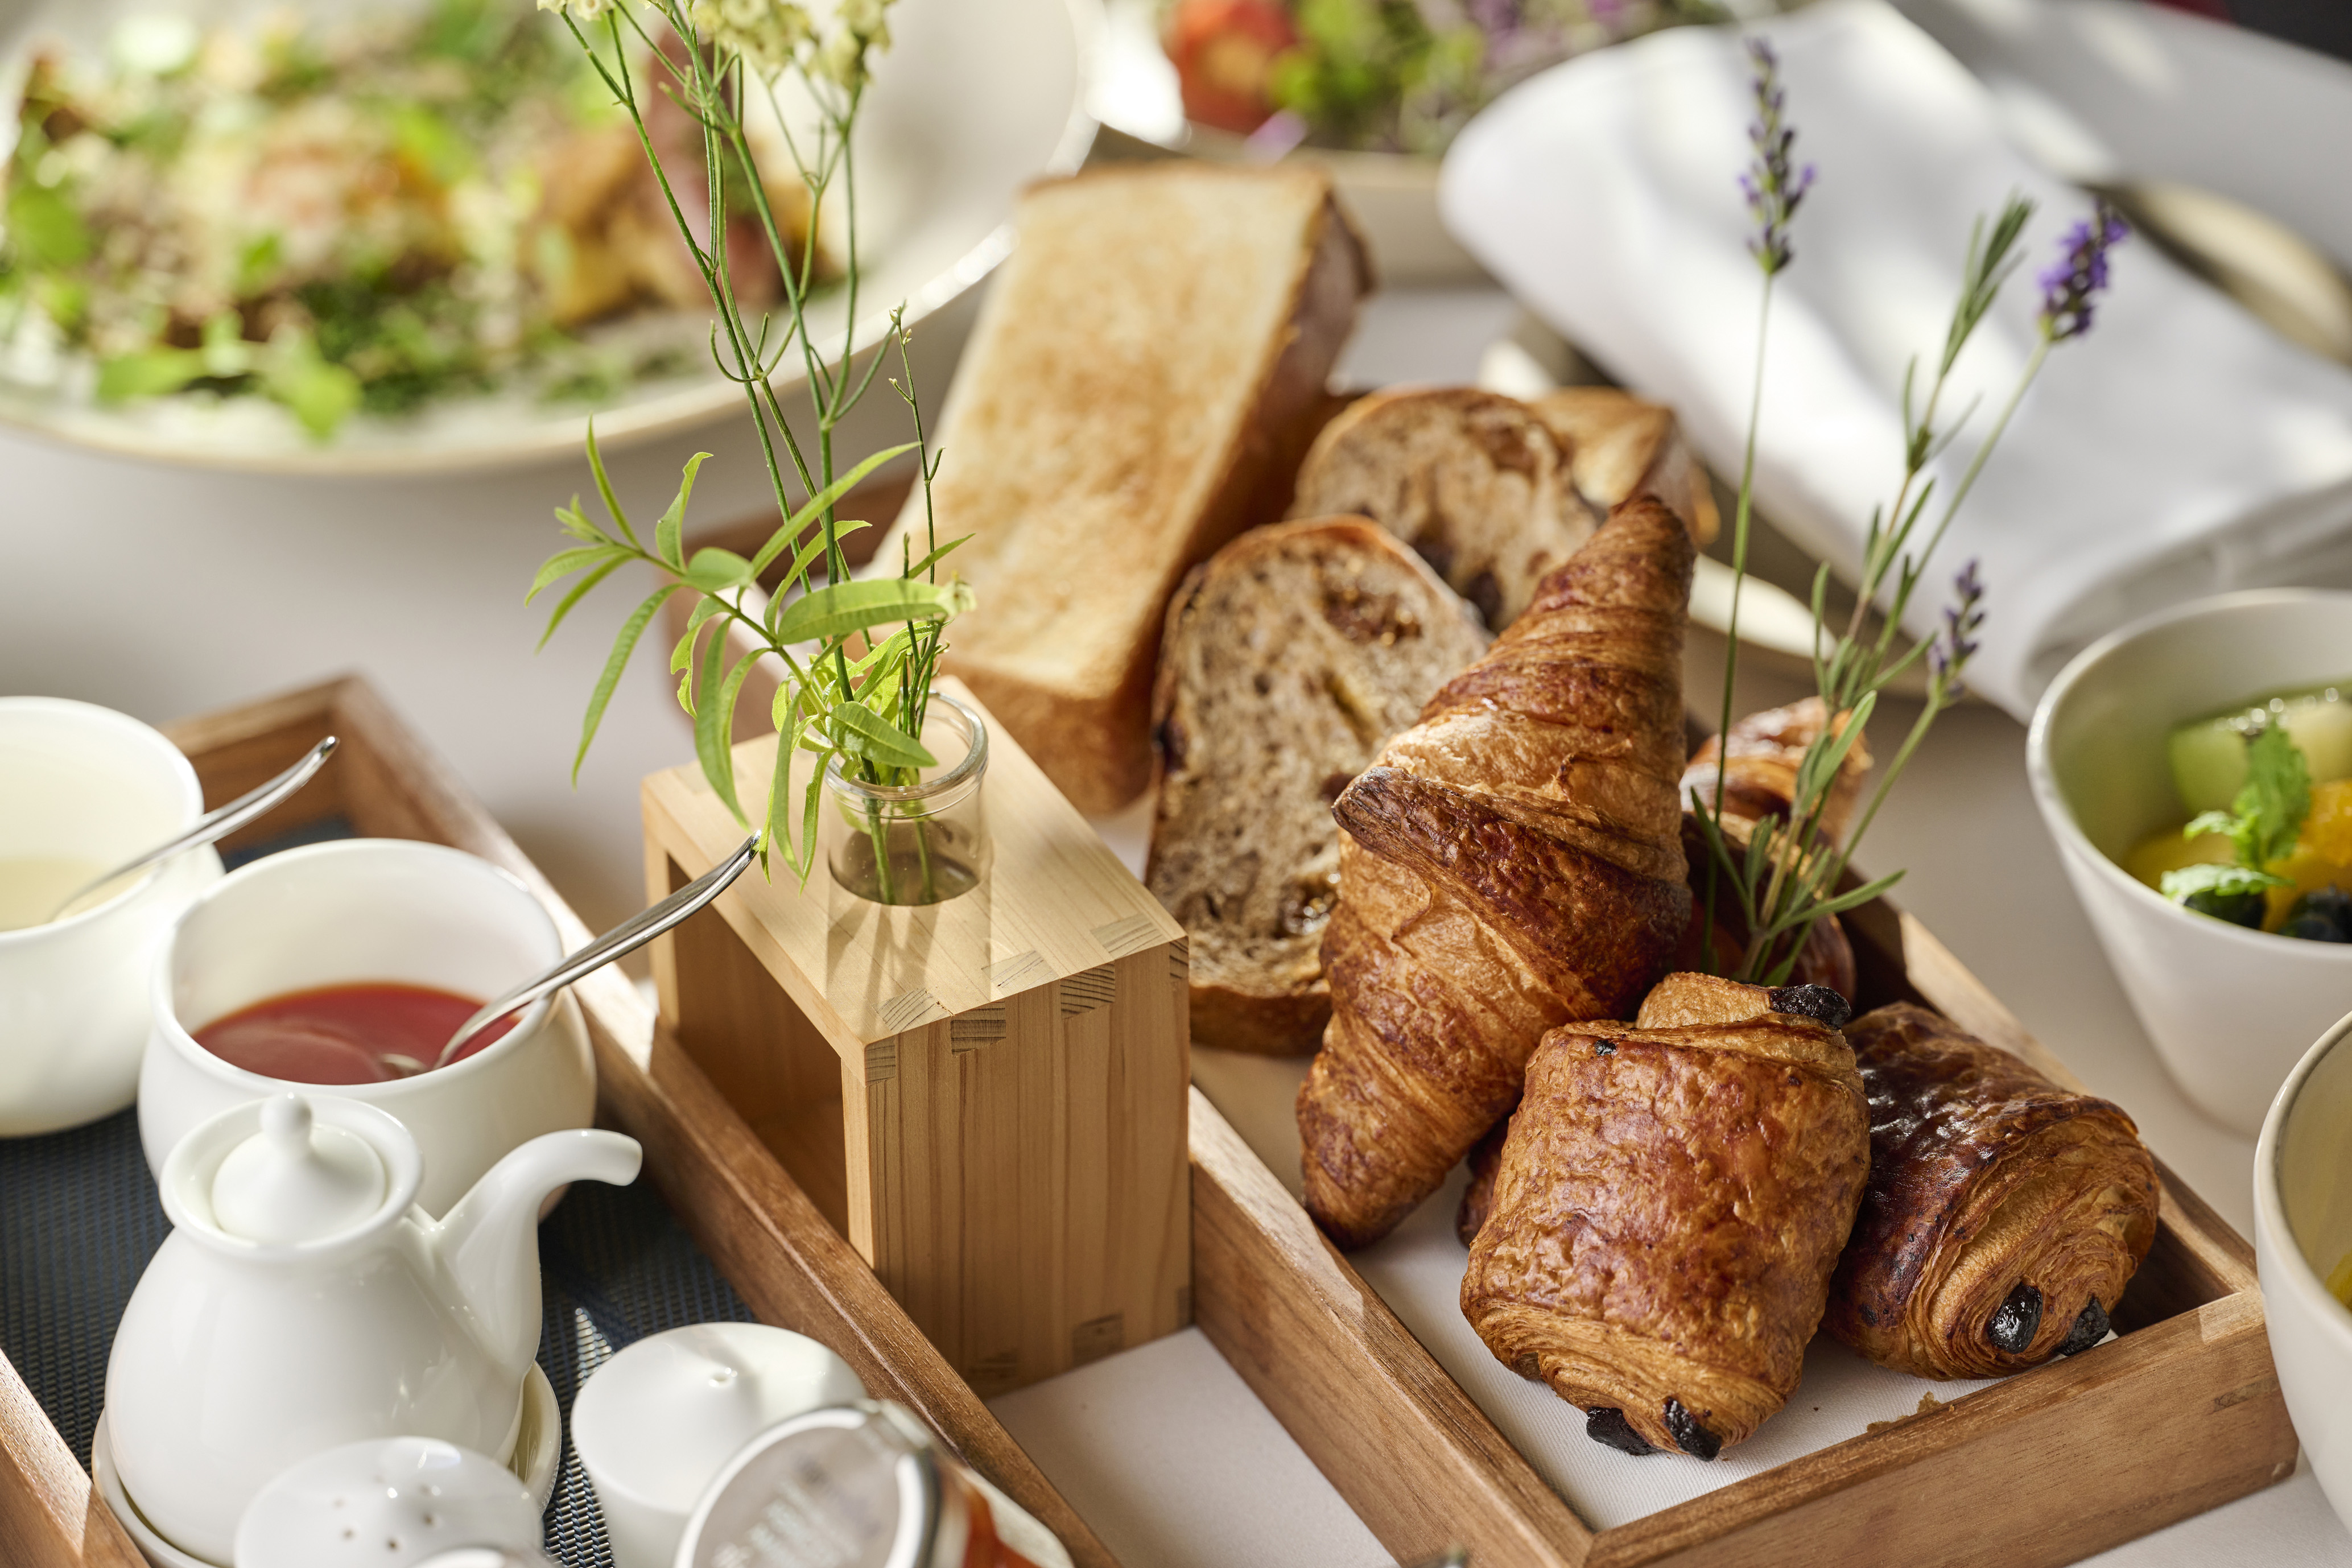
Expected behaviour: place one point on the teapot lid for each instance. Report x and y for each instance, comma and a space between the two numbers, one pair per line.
298, 1179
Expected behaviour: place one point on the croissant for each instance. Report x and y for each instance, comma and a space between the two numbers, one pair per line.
1511, 863
1759, 778
1669, 1205
2003, 1216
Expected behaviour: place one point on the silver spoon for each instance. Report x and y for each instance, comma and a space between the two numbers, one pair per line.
622, 939
215, 824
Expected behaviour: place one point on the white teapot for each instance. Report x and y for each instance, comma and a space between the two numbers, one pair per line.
302, 1302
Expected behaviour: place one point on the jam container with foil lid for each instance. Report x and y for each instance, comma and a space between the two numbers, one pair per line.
859, 1485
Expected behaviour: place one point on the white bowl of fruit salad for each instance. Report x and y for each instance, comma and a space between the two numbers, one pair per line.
2196, 769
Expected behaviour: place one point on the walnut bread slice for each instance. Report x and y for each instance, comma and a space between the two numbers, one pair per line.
1147, 372
1290, 658
1472, 480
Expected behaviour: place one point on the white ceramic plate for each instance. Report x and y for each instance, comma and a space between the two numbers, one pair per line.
976, 99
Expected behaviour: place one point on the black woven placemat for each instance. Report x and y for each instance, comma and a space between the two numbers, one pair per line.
79, 1219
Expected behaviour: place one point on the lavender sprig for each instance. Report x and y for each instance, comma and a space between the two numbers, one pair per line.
1786, 878
1948, 654
2072, 285
1774, 189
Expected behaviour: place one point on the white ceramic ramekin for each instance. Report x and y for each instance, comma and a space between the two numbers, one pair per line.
664, 1416
2229, 1009
2303, 1231
372, 909
86, 782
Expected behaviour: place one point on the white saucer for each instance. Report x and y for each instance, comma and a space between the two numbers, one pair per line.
537, 1446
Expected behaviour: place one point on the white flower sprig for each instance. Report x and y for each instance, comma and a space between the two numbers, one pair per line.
859, 695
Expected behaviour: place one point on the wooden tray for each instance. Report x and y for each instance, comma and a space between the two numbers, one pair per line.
2180, 1413
792, 1268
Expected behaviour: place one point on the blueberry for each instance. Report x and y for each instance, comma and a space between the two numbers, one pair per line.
2238, 909
2325, 915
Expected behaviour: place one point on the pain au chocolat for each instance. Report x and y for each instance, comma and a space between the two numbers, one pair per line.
2004, 1214
1670, 1201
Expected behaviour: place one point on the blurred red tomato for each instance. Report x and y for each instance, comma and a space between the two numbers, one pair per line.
1224, 50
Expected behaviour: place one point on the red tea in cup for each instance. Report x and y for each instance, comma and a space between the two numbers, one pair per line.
346, 1034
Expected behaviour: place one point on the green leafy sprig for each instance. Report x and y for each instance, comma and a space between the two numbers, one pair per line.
2263, 822
1785, 878
852, 696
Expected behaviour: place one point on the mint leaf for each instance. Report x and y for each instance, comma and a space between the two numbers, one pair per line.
2276, 799
2224, 881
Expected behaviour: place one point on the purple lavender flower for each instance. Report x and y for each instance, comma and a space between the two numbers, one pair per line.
2072, 285
1951, 649
1772, 188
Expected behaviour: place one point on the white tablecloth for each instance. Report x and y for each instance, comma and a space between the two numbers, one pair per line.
164, 593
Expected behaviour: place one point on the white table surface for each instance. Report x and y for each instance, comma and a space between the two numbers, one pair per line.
164, 592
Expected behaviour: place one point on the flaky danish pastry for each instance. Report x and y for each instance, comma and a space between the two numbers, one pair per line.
2004, 1215
1511, 863
1669, 1205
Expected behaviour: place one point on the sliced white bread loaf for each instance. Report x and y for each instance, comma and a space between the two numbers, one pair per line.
1146, 373
1472, 480
1291, 657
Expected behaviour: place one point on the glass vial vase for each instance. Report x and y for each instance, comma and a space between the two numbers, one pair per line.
920, 842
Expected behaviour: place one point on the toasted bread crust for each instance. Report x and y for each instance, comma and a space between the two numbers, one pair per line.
1144, 380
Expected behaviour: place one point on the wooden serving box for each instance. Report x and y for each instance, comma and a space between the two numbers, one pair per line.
986, 1095
786, 1262
2180, 1413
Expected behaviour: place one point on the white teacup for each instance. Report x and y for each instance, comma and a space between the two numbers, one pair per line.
2302, 1233
2229, 1009
83, 789
382, 910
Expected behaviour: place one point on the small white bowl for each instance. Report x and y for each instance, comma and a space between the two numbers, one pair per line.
372, 909
2303, 1231
2229, 1009
656, 1422
84, 784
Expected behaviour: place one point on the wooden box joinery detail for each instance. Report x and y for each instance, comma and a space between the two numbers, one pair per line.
988, 1096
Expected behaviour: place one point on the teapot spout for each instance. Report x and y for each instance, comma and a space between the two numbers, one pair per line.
488, 1241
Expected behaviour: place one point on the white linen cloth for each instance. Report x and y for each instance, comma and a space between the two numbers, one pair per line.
2179, 448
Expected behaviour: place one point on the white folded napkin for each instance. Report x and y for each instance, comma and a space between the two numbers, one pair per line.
2181, 448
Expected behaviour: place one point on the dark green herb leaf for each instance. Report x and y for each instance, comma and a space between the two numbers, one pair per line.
623, 645
563, 563
879, 739
714, 570
2275, 798
669, 532
839, 608
580, 591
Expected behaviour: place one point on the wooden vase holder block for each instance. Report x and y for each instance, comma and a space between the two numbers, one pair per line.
988, 1096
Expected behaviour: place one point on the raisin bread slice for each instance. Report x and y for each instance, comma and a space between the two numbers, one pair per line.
1291, 657
1474, 481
